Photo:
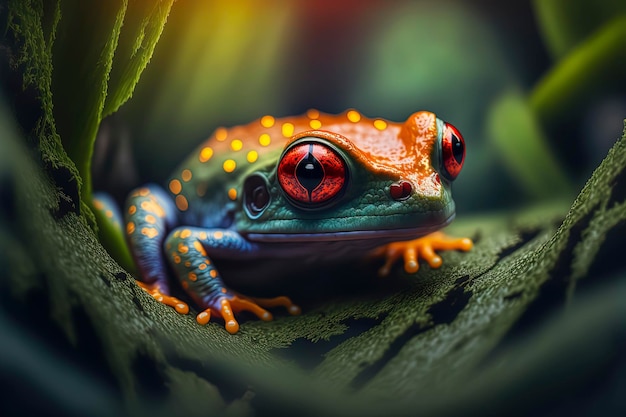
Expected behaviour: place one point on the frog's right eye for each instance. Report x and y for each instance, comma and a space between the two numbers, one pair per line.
452, 152
312, 174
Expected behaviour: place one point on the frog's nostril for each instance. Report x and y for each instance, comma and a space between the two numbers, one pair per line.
400, 190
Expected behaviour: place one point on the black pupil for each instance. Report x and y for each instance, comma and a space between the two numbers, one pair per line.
309, 171
457, 149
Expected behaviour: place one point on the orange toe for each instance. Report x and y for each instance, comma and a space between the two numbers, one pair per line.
155, 291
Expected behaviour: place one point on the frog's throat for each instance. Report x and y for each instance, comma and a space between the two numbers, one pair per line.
386, 234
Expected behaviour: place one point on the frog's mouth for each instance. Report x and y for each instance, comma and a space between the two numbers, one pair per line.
388, 235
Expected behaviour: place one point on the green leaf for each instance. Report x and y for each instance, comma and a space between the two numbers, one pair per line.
515, 132
593, 66
66, 50
143, 24
566, 23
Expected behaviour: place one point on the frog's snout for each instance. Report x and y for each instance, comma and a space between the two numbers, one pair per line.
400, 190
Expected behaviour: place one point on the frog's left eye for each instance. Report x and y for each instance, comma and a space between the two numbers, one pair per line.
312, 174
452, 152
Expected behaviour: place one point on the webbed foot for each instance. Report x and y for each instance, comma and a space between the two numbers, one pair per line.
411, 251
155, 291
226, 307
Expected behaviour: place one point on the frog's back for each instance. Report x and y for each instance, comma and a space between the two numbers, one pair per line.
209, 180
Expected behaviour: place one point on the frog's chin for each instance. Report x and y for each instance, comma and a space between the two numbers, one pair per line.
380, 234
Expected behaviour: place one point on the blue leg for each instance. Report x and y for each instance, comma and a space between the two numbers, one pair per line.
149, 213
186, 248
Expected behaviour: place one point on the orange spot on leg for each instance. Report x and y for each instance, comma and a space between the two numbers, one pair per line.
198, 246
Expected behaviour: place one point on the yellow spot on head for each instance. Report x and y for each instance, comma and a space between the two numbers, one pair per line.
267, 121
312, 114
205, 154
98, 204
315, 124
192, 276
232, 194
132, 210
218, 235
380, 124
252, 156
109, 214
186, 175
221, 133
181, 203
130, 228
354, 116
265, 139
288, 129
144, 192
175, 186
149, 232
185, 285
213, 274
229, 165
185, 233
202, 235
202, 267
187, 264
223, 289
150, 219
176, 259
236, 145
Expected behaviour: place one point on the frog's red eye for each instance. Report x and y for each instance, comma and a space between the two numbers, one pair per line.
312, 174
452, 152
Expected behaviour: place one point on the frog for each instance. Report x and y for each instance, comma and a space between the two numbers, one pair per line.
316, 188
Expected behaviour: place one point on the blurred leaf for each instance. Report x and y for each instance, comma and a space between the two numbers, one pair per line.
514, 130
592, 66
567, 23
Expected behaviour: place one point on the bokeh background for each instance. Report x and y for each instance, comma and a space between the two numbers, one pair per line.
479, 64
